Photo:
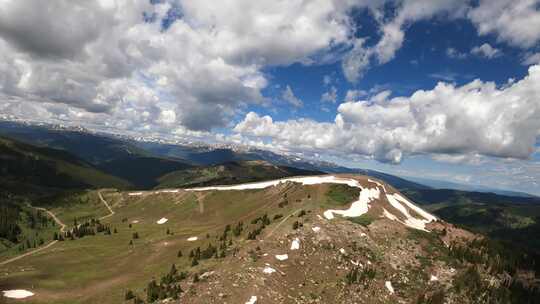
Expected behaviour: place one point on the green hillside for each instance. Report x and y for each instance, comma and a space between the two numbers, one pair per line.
27, 169
229, 173
218, 246
509, 218
142, 172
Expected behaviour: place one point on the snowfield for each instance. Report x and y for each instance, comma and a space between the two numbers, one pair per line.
162, 221
192, 239
359, 207
395, 200
252, 300
135, 193
17, 294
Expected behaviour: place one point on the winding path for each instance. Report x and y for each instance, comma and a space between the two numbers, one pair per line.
50, 244
62, 230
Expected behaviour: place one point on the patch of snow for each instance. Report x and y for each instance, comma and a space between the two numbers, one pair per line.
295, 245
328, 215
282, 257
269, 270
134, 193
359, 207
433, 278
135, 222
17, 294
427, 216
169, 191
252, 300
389, 286
378, 184
192, 239
363, 234
306, 180
342, 251
162, 220
316, 229
395, 200
389, 215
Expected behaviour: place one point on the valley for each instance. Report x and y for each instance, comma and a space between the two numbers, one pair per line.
139, 228
274, 240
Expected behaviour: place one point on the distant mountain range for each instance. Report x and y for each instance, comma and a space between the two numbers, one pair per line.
439, 184
141, 161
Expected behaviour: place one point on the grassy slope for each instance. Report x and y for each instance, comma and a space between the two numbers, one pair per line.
99, 268
229, 173
26, 168
42, 231
143, 172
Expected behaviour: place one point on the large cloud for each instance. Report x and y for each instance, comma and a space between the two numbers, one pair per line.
103, 59
393, 31
515, 22
476, 118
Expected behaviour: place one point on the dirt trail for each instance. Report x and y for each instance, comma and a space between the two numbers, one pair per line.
106, 205
62, 229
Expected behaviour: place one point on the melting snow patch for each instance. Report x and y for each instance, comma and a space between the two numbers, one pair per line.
252, 300
433, 278
134, 222
192, 239
134, 193
169, 191
328, 214
162, 221
269, 270
359, 207
316, 229
295, 244
17, 294
395, 200
282, 257
389, 286
389, 215
342, 251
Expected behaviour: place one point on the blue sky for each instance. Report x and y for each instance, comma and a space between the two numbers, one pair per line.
443, 89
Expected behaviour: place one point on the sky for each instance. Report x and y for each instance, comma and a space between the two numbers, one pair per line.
443, 89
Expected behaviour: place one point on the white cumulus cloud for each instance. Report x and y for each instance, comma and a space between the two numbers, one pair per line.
477, 118
486, 50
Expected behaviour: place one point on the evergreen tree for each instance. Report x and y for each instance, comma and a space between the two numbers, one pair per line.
129, 295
